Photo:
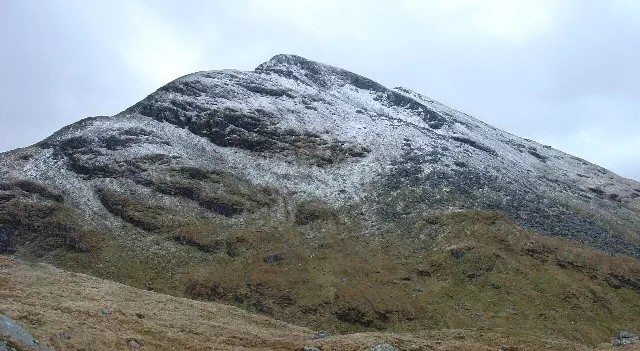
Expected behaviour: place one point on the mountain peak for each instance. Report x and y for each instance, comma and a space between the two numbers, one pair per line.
301, 69
315, 73
286, 60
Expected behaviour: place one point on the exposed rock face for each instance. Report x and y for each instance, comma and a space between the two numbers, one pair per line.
227, 167
625, 338
13, 333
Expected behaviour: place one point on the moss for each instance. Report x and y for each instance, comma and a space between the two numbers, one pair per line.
34, 187
40, 228
144, 215
312, 211
343, 281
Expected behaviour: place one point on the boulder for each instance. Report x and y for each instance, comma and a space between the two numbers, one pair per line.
625, 338
12, 332
323, 334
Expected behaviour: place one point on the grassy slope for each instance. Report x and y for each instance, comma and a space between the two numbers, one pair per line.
508, 280
459, 270
64, 310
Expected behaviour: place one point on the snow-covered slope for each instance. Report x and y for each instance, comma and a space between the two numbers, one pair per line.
294, 131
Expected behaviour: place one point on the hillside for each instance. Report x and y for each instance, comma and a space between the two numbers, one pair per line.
319, 197
72, 311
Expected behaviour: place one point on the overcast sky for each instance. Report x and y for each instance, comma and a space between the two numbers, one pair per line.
565, 73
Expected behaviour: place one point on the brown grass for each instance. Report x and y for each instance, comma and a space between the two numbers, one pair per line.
65, 310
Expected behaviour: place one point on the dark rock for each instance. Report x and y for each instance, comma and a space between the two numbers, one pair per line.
273, 259
312, 348
473, 144
625, 334
7, 245
614, 283
255, 131
457, 253
323, 334
625, 338
34, 187
617, 281
534, 152
597, 191
356, 315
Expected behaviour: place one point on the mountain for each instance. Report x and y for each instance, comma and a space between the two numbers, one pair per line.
315, 195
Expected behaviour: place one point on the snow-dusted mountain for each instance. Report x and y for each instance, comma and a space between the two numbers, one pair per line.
318, 196
309, 131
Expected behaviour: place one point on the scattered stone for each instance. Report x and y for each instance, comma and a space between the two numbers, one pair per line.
64, 336
107, 312
418, 290
323, 334
457, 253
384, 347
5, 347
625, 338
614, 283
625, 334
495, 286
273, 259
312, 348
6, 244
133, 345
11, 331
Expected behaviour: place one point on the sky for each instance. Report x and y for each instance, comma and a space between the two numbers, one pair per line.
564, 73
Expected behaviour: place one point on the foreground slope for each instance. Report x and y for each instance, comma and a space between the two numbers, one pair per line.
317, 196
71, 311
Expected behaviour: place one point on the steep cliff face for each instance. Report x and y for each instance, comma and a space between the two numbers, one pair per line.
273, 166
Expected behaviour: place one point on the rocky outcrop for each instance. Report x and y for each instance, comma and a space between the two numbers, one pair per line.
14, 337
625, 338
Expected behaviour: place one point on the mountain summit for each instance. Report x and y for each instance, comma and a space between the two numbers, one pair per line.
298, 165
